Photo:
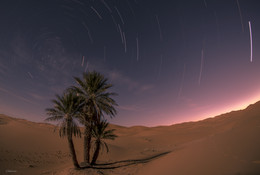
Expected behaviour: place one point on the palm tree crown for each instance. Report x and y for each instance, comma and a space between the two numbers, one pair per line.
66, 108
93, 89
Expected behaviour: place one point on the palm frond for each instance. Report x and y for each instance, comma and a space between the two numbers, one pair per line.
106, 146
54, 118
75, 129
99, 131
108, 134
66, 109
80, 83
62, 128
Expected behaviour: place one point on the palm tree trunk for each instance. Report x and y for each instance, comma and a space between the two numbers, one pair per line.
87, 134
87, 143
73, 153
71, 146
96, 153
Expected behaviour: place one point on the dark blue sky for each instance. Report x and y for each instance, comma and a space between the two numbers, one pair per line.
169, 61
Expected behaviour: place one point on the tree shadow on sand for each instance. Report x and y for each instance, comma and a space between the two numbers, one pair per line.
123, 163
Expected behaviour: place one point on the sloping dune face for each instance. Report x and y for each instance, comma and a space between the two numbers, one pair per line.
227, 144
30, 148
231, 148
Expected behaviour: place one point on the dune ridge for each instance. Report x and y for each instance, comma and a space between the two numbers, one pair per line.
226, 144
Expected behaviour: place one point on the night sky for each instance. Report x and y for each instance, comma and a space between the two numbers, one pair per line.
170, 61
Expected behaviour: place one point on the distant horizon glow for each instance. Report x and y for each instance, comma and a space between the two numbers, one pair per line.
210, 114
235, 107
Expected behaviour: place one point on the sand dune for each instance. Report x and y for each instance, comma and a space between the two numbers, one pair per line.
226, 144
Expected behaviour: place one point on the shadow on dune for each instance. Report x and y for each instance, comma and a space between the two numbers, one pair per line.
123, 163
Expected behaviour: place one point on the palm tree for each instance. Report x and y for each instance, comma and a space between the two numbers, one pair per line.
100, 133
65, 110
93, 88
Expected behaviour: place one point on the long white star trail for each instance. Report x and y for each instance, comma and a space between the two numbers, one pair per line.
107, 6
251, 42
120, 16
159, 27
201, 65
205, 3
100, 17
114, 21
89, 34
240, 14
121, 34
129, 5
30, 75
124, 41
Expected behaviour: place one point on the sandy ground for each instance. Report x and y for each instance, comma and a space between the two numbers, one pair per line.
228, 144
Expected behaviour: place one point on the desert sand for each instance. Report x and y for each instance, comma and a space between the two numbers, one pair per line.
228, 144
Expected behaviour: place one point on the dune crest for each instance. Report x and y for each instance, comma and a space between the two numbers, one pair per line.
226, 144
